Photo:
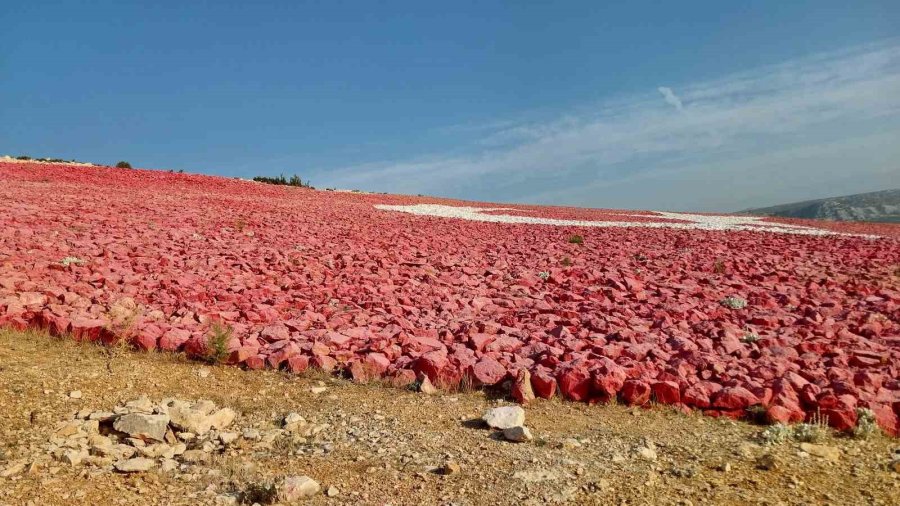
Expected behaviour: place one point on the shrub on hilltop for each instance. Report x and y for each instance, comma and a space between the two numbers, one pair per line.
123, 165
282, 181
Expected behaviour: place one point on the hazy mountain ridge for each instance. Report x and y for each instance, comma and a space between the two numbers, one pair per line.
882, 206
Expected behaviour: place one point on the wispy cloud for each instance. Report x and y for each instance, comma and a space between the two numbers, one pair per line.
807, 102
670, 97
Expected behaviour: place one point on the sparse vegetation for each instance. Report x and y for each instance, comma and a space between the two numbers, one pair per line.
866, 426
217, 343
544, 275
576, 239
776, 434
750, 338
734, 302
282, 181
719, 266
42, 159
809, 432
123, 165
67, 261
566, 262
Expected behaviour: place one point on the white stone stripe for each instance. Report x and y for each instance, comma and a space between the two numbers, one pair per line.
689, 221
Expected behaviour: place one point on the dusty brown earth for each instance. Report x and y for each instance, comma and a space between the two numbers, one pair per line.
380, 445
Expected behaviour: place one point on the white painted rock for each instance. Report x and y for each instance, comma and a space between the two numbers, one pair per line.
504, 417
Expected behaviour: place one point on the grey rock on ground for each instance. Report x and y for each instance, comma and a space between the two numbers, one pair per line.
517, 434
143, 426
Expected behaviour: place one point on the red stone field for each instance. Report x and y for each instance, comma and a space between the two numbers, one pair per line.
733, 316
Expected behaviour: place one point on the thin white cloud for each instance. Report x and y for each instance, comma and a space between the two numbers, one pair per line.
804, 102
670, 97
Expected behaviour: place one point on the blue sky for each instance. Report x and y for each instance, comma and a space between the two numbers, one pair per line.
707, 106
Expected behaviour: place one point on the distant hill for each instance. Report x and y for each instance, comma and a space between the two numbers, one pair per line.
882, 206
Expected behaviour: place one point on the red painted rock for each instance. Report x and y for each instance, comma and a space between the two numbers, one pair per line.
734, 398
479, 341
666, 392
298, 363
543, 384
521, 388
886, 419
255, 362
781, 414
402, 378
240, 355
174, 339
378, 362
275, 332
324, 363
575, 384
635, 392
608, 378
488, 372
58, 325
433, 364
87, 329
842, 419
148, 337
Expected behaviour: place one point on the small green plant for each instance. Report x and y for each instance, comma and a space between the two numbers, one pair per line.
733, 302
776, 434
566, 262
719, 266
123, 165
866, 426
23, 157
217, 343
67, 261
809, 432
750, 338
576, 239
544, 275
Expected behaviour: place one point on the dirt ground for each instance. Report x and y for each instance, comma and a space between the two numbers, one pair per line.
381, 445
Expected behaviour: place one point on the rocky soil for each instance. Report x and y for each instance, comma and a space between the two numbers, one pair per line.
85, 424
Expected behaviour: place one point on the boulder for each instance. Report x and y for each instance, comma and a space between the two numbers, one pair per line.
143, 426
504, 417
